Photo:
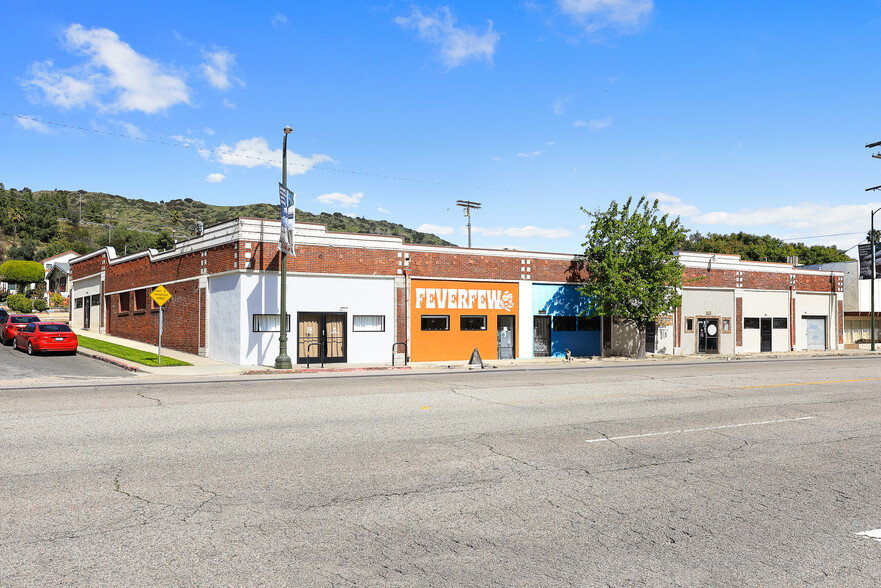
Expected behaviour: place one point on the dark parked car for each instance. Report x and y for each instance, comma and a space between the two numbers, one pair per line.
43, 337
12, 323
3, 314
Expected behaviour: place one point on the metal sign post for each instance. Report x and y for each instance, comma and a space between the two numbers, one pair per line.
160, 296
159, 352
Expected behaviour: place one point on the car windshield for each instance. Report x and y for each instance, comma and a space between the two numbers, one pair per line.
24, 319
54, 329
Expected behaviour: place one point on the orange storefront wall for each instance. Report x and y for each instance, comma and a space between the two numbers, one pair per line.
457, 299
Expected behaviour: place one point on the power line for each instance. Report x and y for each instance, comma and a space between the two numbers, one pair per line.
274, 161
821, 236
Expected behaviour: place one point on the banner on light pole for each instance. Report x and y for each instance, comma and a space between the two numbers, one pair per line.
288, 206
867, 259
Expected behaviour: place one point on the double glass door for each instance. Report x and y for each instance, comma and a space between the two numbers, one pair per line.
321, 335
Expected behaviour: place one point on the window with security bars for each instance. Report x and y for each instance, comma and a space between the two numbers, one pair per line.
780, 323
270, 323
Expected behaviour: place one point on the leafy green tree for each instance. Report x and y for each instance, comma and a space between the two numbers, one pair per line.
877, 238
761, 248
93, 211
631, 269
21, 273
26, 250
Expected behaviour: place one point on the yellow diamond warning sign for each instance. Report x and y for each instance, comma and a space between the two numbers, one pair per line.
160, 295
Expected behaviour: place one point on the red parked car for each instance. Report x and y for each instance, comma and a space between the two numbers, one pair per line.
43, 337
12, 323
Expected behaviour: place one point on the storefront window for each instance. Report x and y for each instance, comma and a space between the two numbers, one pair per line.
368, 322
270, 323
588, 323
564, 323
472, 323
751, 323
780, 323
435, 322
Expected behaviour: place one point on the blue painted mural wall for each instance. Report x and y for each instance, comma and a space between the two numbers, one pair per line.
566, 300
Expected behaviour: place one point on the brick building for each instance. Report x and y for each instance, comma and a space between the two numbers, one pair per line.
355, 298
733, 306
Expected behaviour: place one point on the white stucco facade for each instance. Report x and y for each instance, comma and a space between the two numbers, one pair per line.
234, 299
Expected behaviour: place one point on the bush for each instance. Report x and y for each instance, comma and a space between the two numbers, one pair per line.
40, 305
22, 272
20, 303
56, 299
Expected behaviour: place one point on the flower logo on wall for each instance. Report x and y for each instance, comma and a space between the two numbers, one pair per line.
508, 301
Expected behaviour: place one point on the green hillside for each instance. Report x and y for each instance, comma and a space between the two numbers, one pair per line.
35, 225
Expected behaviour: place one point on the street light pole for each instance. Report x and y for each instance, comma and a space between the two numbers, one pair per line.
283, 361
872, 235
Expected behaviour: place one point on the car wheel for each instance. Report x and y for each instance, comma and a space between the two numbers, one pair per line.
30, 348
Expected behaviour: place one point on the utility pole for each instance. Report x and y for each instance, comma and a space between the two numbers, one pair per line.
468, 205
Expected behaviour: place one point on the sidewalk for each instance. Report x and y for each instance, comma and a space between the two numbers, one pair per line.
203, 366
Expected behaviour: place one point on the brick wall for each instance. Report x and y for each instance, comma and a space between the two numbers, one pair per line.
181, 322
738, 327
755, 280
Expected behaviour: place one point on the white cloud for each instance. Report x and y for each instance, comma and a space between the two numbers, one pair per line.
130, 129
341, 200
594, 124
228, 104
559, 104
456, 45
209, 131
436, 229
381, 209
672, 205
115, 77
523, 232
31, 124
621, 15
188, 141
829, 223
530, 155
255, 152
279, 20
216, 68
215, 178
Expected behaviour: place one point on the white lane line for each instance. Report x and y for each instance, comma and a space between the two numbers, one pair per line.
873, 534
700, 429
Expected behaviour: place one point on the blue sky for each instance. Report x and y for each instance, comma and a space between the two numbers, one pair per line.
747, 115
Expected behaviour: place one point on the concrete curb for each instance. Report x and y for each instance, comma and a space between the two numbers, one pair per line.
325, 370
108, 359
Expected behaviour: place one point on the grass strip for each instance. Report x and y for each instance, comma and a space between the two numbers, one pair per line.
123, 352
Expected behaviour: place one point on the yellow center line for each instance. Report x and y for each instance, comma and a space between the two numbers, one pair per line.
807, 383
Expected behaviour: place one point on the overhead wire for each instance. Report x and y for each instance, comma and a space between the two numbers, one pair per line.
201, 149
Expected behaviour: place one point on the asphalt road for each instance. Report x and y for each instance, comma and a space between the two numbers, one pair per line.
746, 473
17, 365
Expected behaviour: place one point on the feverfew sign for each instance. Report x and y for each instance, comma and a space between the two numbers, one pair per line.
466, 299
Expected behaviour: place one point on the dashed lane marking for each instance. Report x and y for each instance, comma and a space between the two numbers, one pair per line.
873, 534
680, 431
